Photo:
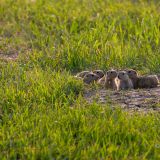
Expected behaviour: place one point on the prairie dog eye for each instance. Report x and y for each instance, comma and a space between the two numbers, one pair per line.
122, 73
92, 75
129, 71
111, 72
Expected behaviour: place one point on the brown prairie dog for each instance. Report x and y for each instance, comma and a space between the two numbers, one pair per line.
148, 81
82, 74
123, 81
99, 73
110, 79
134, 77
90, 77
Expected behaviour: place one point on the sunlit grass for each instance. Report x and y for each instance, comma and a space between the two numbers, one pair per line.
43, 114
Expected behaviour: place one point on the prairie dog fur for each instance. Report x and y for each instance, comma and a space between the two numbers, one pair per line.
123, 81
100, 73
148, 81
82, 74
110, 79
90, 77
133, 75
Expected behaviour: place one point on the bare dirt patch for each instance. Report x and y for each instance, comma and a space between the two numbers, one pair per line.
13, 56
135, 100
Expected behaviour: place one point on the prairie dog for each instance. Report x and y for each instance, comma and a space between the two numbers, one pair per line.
82, 74
134, 77
123, 81
110, 79
100, 73
148, 81
90, 77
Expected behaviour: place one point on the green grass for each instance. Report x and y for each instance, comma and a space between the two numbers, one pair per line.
43, 114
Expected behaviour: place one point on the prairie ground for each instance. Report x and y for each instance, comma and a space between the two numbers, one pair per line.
43, 112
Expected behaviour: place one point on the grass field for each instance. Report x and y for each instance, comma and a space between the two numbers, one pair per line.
43, 114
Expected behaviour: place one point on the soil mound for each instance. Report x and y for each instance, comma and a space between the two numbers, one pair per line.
137, 100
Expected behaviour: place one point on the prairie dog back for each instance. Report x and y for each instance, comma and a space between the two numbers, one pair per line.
149, 81
82, 74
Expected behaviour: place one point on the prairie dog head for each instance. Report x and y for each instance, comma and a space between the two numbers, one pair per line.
122, 75
132, 74
90, 77
100, 73
111, 74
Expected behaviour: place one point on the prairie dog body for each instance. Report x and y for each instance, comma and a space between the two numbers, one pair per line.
89, 77
149, 81
123, 81
110, 79
134, 77
82, 74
